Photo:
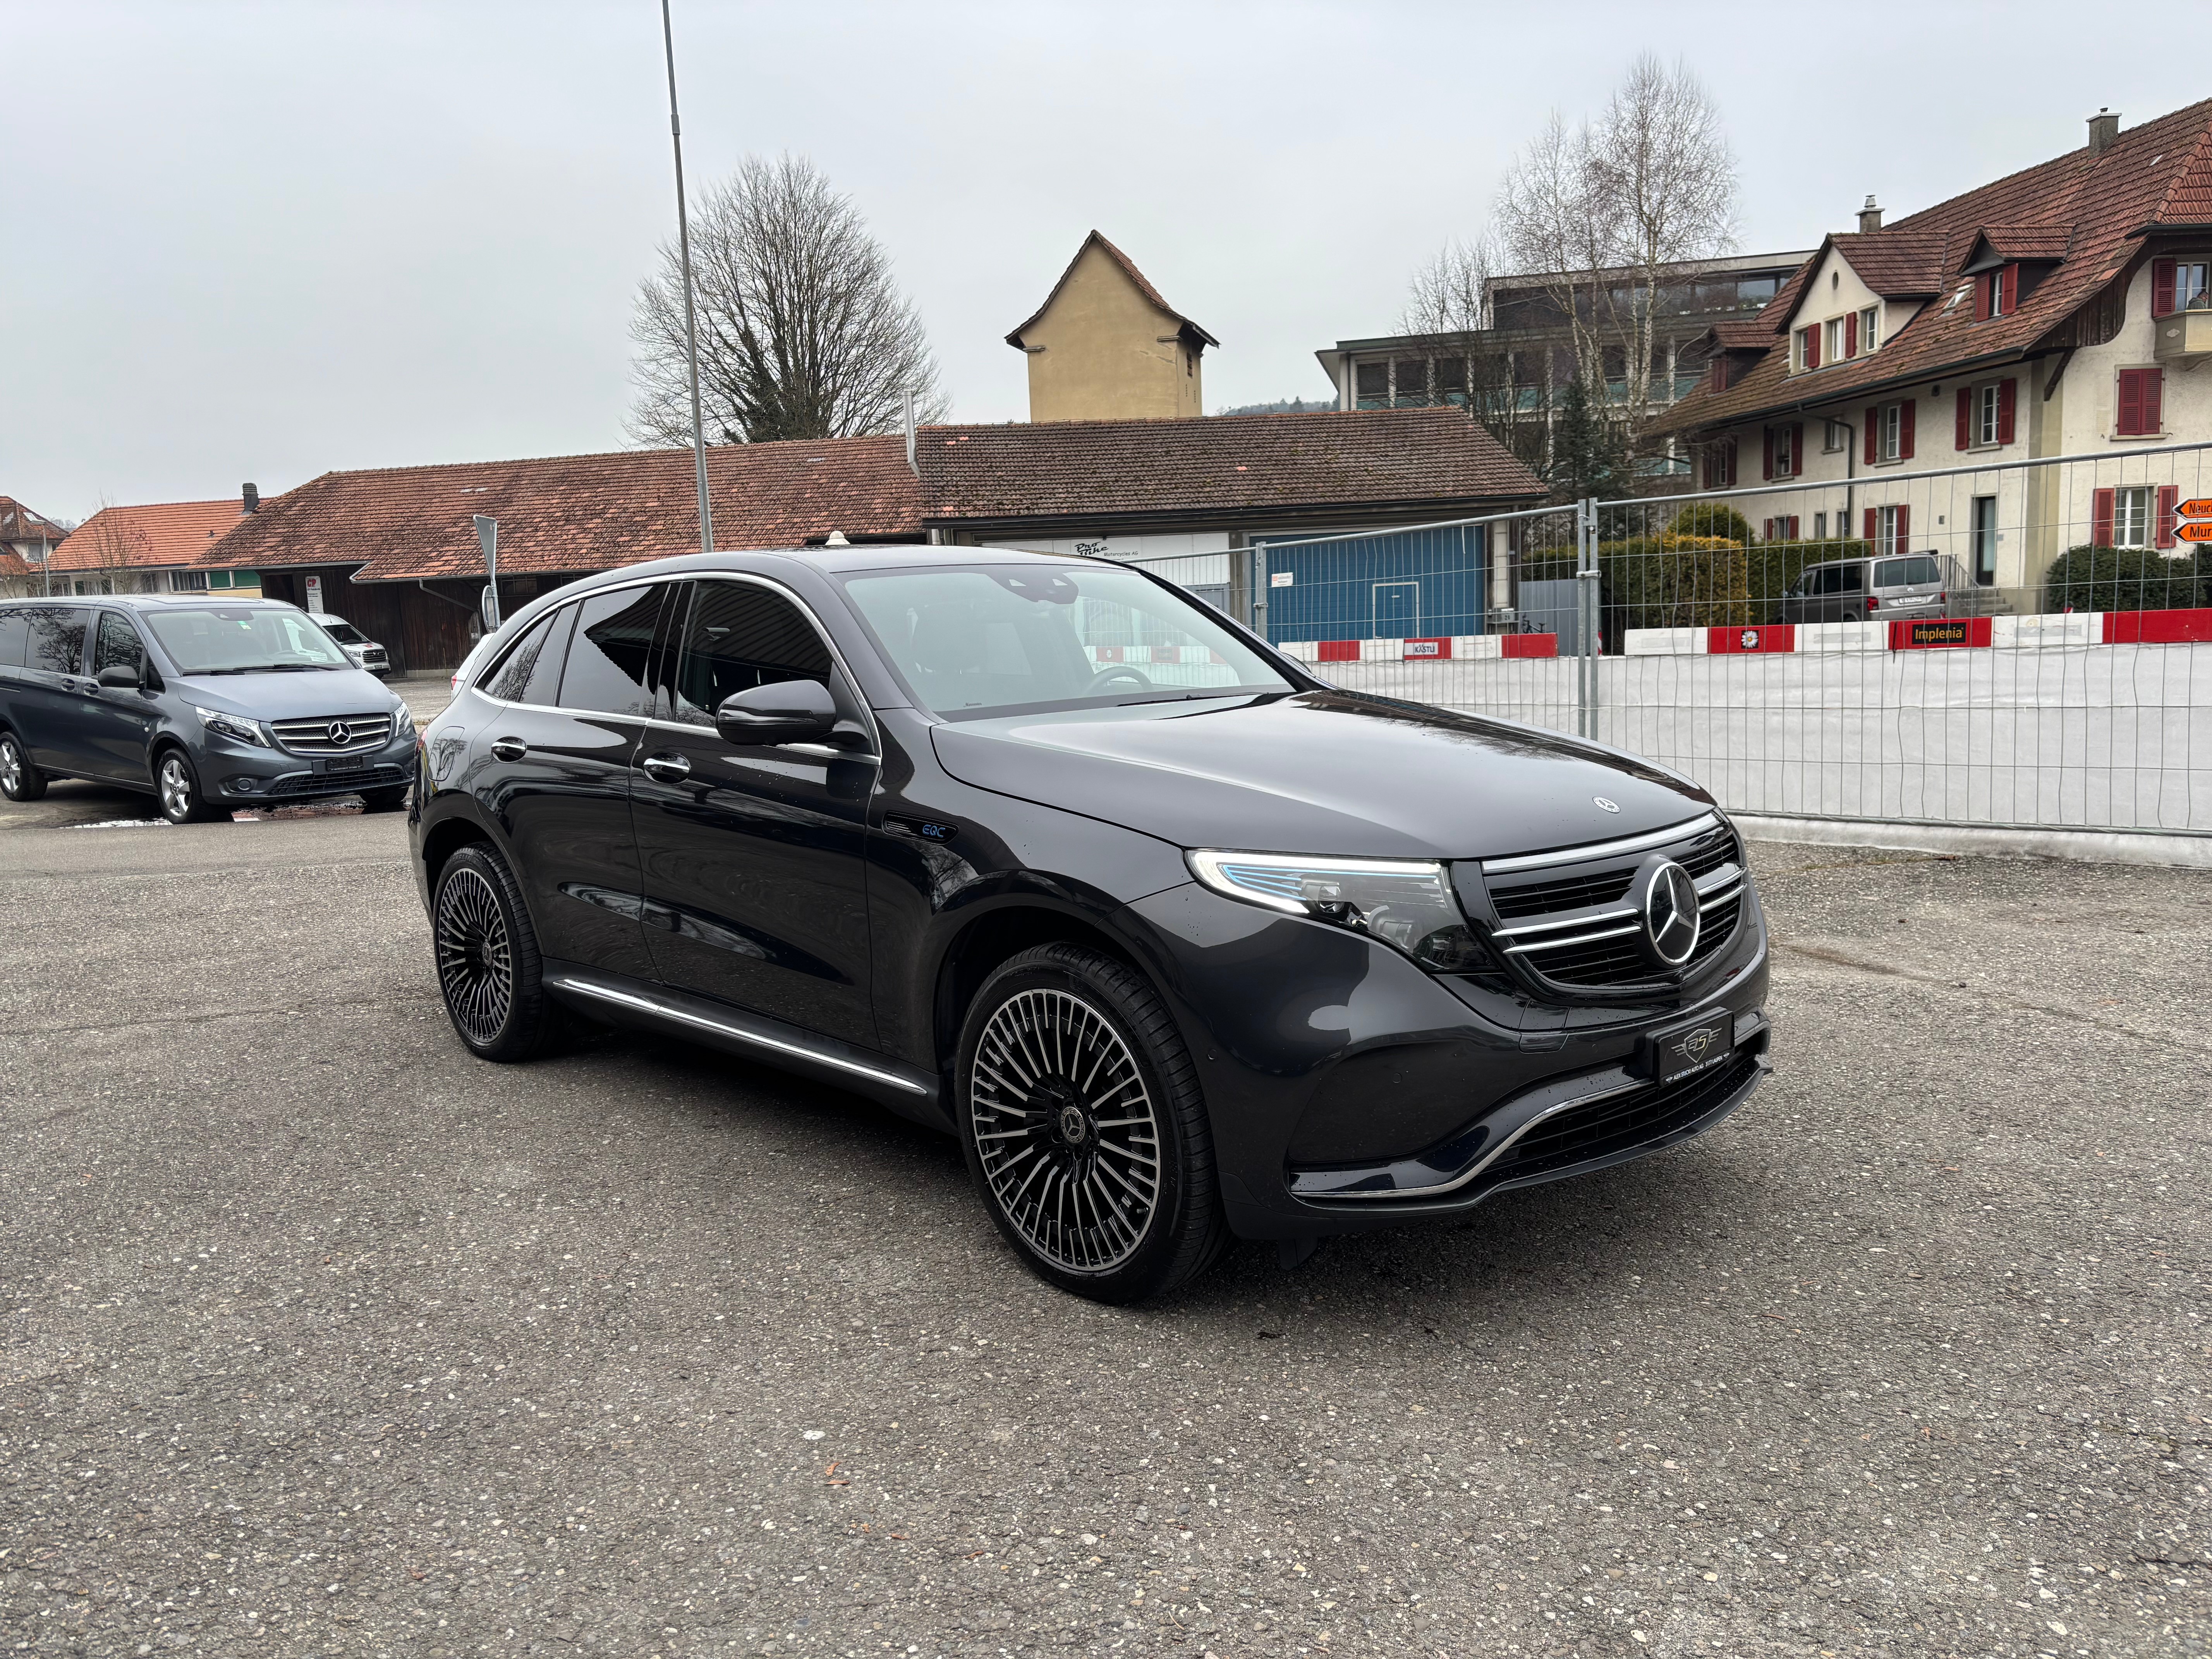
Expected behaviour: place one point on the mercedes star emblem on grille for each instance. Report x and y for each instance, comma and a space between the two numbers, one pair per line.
1670, 912
339, 733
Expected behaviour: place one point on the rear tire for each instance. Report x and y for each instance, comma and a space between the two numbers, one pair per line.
489, 967
1081, 1114
177, 786
383, 801
20, 779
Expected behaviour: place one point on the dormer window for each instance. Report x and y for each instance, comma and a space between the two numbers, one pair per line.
2179, 285
1868, 320
1996, 293
1809, 347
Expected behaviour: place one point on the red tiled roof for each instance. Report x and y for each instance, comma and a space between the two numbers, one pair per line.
18, 523
11, 565
146, 537
2157, 175
2023, 241
598, 512
574, 513
1741, 333
1233, 463
1129, 268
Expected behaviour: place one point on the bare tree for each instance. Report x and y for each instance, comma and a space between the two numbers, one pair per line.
802, 333
1666, 176
1553, 225
107, 552
1448, 319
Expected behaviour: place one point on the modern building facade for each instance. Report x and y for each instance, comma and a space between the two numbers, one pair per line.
2058, 311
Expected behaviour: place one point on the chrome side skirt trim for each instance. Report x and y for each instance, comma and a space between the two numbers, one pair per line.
1601, 849
663, 1010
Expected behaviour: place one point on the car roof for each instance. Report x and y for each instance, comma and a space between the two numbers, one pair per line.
157, 601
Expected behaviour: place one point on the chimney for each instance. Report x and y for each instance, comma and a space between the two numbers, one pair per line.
1869, 218
2104, 127
249, 498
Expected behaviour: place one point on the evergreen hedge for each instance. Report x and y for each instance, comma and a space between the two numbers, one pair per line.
2127, 579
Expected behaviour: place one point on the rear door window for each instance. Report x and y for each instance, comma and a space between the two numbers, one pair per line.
1829, 579
1854, 577
14, 632
56, 641
1917, 571
531, 672
611, 652
739, 636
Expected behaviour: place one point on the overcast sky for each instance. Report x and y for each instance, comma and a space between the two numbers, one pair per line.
265, 241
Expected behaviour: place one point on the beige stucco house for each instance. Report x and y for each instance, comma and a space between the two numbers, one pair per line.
1105, 346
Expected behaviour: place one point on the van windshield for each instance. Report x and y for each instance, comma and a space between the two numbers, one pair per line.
220, 639
995, 638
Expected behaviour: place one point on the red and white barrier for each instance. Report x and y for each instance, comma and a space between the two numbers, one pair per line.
1454, 647
1928, 633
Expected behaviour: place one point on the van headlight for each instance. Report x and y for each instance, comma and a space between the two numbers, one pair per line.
236, 727
1407, 903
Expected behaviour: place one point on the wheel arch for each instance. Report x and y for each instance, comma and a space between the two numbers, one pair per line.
998, 932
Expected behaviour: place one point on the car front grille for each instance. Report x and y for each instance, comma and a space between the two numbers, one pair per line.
1614, 1125
1568, 924
339, 783
333, 734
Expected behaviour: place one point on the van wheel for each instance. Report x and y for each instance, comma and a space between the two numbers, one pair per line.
489, 968
178, 787
1079, 1112
19, 778
383, 801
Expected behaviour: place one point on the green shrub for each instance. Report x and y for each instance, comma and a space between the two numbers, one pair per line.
1713, 518
2126, 578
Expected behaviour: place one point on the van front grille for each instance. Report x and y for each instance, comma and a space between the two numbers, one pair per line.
333, 734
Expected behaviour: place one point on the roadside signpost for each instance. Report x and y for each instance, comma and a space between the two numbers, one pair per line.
2196, 507
488, 533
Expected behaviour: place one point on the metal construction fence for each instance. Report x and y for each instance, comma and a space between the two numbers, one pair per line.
2017, 643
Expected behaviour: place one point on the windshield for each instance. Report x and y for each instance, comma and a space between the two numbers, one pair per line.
343, 631
1000, 638
240, 640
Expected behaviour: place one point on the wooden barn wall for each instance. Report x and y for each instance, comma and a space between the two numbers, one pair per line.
424, 631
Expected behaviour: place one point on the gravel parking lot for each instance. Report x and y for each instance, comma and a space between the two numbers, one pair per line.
321, 1337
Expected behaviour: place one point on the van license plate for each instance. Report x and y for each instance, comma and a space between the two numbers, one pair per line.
1673, 1055
345, 763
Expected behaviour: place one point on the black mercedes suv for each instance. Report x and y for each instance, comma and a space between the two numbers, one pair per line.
1180, 941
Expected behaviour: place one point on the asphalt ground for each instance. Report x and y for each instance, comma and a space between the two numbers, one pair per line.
320, 1337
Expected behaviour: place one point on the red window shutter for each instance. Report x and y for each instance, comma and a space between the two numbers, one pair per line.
2009, 290
1903, 524
1766, 531
2169, 498
2161, 286
2007, 395
1766, 467
1727, 465
2153, 398
2130, 402
1796, 447
1873, 523
1792, 527
1851, 335
1964, 433
1873, 430
2100, 518
1813, 347
1981, 297
1904, 428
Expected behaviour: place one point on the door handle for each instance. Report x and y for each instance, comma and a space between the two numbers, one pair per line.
508, 749
666, 769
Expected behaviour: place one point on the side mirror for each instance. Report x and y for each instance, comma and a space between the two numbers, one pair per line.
121, 677
795, 711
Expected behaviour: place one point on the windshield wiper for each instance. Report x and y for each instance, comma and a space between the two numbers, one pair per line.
269, 668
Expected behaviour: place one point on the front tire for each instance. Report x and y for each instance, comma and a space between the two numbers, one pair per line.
178, 786
1081, 1114
489, 967
20, 778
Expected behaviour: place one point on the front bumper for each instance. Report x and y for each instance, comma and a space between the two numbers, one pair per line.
242, 773
1349, 1089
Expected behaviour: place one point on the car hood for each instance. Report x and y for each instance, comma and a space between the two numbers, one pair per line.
288, 697
1321, 772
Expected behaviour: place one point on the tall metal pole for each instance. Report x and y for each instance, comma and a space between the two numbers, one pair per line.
690, 313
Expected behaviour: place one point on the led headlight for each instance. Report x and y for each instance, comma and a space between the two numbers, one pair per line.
1407, 903
236, 727
403, 722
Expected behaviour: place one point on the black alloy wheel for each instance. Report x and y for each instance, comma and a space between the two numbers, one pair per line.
20, 780
489, 968
1081, 1114
178, 786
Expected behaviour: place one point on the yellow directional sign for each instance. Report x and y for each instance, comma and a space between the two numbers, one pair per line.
2196, 507
2197, 529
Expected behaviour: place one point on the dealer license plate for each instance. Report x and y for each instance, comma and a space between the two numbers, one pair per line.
345, 763
1677, 1053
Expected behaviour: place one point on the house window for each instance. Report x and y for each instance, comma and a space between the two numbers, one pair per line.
1370, 384
1837, 351
2179, 285
1984, 540
1889, 529
1783, 529
1867, 330
188, 582
1785, 451
1996, 293
1887, 437
1720, 464
2141, 403
218, 578
1834, 436
1819, 526
1809, 347
2131, 510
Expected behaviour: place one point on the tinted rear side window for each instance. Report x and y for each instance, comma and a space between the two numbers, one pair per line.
57, 642
740, 636
611, 651
118, 646
15, 631
1905, 573
530, 670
